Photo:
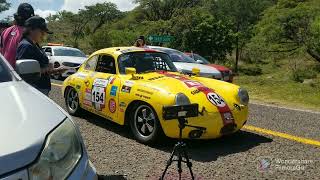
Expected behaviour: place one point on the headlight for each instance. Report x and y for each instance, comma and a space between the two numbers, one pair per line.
182, 99
243, 96
60, 155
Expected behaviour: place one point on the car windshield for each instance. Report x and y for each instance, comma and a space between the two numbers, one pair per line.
5, 75
198, 57
145, 62
177, 56
68, 52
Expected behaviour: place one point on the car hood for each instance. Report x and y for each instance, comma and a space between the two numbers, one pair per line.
27, 117
168, 84
71, 59
203, 68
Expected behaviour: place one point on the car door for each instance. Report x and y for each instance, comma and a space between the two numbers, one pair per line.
105, 88
85, 79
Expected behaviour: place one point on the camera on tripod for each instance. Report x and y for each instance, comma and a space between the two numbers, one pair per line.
181, 112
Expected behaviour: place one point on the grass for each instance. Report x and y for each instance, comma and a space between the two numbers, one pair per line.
276, 86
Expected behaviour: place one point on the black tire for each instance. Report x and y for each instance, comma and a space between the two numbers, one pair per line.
72, 102
144, 123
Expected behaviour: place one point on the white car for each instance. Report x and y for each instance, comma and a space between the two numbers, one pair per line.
66, 56
38, 139
185, 64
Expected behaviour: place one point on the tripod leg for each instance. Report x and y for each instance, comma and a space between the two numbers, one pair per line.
169, 162
179, 164
189, 163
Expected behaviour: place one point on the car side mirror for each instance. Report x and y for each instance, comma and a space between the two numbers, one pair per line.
131, 71
200, 61
28, 69
196, 71
48, 53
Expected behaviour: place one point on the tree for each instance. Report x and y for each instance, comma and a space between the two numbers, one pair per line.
4, 5
87, 20
290, 27
164, 9
195, 29
243, 14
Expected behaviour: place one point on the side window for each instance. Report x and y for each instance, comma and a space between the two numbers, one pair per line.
48, 50
106, 64
91, 63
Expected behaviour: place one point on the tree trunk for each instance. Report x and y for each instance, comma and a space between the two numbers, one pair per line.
314, 54
237, 56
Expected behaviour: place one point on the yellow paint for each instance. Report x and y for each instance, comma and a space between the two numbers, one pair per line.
282, 135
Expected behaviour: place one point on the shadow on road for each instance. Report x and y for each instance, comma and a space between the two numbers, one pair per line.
111, 177
199, 150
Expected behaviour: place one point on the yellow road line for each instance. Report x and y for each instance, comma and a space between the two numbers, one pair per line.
59, 85
283, 135
267, 131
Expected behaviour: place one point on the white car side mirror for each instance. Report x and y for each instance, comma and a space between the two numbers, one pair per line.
28, 69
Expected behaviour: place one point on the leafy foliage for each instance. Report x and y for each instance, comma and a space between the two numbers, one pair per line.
291, 27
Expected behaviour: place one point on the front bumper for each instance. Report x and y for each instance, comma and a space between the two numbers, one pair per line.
213, 123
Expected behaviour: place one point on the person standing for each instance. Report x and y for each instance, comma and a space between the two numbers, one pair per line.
35, 31
11, 36
141, 42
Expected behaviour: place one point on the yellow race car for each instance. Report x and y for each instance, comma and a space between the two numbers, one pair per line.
130, 86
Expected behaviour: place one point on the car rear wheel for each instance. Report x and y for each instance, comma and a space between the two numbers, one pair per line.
72, 102
144, 124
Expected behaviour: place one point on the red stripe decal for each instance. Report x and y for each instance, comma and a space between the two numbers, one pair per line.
211, 95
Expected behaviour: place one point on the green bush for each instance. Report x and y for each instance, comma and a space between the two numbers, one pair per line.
300, 75
251, 71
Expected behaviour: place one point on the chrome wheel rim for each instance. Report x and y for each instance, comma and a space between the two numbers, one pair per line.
145, 121
72, 100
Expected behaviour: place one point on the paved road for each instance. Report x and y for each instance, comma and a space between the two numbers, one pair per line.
117, 155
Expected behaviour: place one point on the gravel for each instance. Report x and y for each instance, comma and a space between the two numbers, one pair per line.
116, 155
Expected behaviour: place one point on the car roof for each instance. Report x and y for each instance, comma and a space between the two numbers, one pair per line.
161, 48
61, 47
123, 50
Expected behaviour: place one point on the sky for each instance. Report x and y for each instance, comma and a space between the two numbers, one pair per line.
46, 7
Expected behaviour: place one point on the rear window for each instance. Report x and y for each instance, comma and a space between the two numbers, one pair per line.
5, 75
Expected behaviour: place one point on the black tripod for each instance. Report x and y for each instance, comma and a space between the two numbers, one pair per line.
180, 150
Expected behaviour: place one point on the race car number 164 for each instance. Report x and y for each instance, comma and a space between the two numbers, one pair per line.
98, 95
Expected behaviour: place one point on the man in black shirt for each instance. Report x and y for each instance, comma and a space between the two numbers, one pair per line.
35, 32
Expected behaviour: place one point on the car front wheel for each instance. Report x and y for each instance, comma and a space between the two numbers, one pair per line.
144, 124
72, 102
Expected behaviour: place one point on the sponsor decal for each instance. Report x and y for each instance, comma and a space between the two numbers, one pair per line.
126, 89
113, 91
80, 75
143, 96
112, 106
123, 104
137, 77
145, 91
112, 79
156, 78
212, 96
87, 97
194, 92
101, 83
